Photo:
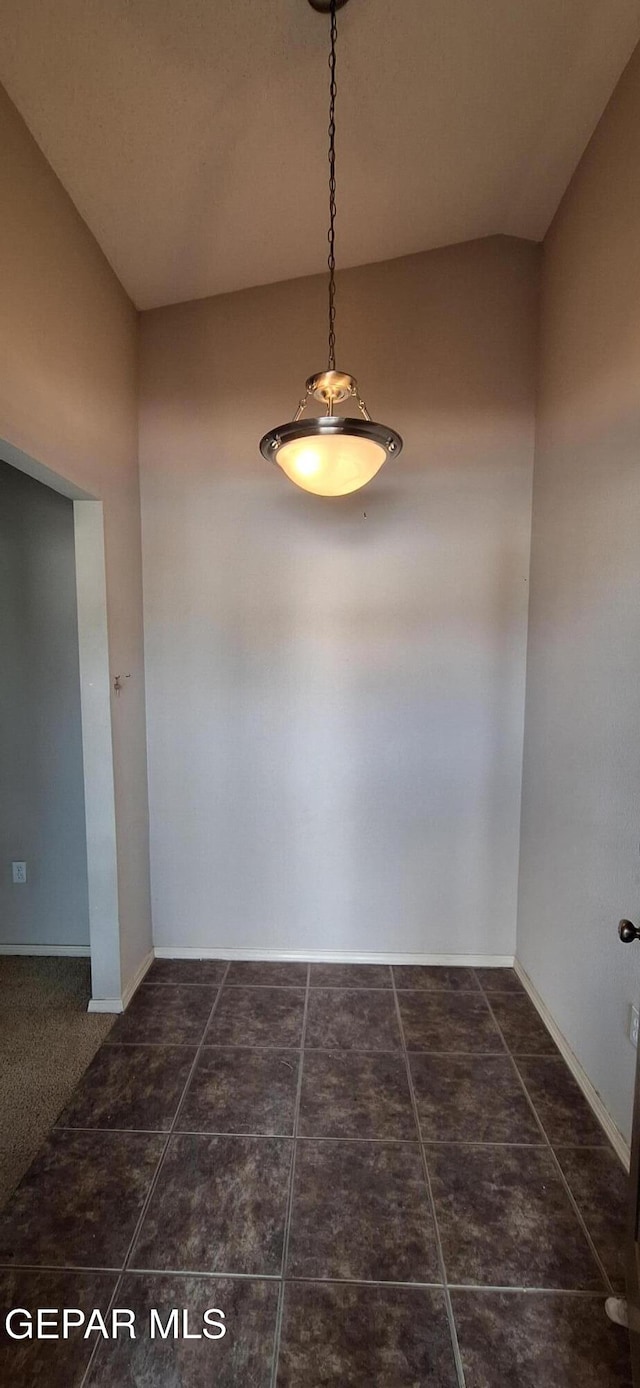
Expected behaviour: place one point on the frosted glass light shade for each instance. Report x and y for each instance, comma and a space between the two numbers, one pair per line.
331, 456
332, 465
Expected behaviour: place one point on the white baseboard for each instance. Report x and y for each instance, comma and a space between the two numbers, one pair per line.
49, 951
618, 1142
119, 1004
279, 956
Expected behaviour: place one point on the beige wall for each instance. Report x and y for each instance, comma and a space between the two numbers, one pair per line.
68, 399
580, 858
336, 688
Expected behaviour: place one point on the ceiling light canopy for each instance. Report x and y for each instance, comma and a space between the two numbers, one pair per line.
331, 454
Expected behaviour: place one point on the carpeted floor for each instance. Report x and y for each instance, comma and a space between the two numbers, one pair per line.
47, 1039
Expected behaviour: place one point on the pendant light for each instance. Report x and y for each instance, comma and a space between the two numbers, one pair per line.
332, 454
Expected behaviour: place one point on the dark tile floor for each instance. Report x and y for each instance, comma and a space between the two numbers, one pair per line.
385, 1178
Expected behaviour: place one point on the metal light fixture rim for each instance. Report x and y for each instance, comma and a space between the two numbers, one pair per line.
324, 6
330, 426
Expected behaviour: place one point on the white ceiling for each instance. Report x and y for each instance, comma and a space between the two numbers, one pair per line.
191, 133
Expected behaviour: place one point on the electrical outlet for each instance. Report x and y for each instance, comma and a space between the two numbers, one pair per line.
634, 1025
18, 872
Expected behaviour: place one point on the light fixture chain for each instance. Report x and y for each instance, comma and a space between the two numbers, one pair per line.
333, 91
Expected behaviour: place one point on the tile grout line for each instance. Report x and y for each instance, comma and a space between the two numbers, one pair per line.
452, 1286
334, 988
459, 1370
223, 1273
154, 1180
176, 983
328, 987
313, 987
559, 1172
328, 1137
141, 1272
525, 1291
319, 1050
292, 1173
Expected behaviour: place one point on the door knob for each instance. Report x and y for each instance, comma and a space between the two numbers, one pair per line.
628, 932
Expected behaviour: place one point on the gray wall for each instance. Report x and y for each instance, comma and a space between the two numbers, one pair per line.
41, 780
580, 860
336, 688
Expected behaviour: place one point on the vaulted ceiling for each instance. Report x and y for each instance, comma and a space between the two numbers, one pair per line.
191, 134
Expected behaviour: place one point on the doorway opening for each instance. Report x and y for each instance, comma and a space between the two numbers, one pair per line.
58, 798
